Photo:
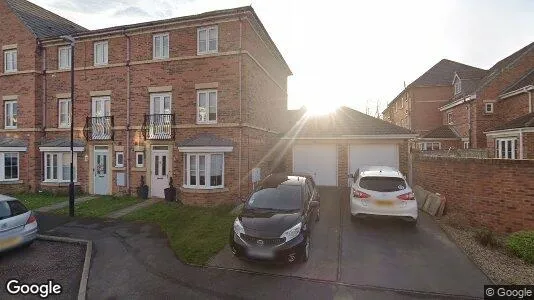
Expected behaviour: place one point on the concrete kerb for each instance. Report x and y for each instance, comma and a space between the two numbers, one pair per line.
82, 292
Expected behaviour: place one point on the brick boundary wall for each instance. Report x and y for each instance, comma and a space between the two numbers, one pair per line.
493, 193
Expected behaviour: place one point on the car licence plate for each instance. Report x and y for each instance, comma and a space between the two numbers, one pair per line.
261, 253
9, 242
384, 203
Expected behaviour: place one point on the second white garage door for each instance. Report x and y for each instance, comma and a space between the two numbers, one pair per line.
373, 155
318, 160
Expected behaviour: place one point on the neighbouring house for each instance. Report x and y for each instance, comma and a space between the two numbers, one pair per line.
199, 98
514, 137
337, 144
416, 107
474, 107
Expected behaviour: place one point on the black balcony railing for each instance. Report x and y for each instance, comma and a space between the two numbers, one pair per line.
99, 128
159, 127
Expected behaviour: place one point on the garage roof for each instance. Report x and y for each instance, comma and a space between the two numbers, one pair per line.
345, 123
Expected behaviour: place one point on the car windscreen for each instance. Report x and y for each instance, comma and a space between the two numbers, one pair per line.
383, 184
11, 208
282, 197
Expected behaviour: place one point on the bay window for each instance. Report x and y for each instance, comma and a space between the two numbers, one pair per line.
506, 148
57, 166
9, 166
204, 170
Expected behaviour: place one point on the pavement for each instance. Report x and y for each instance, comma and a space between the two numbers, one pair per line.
122, 212
63, 204
44, 260
349, 260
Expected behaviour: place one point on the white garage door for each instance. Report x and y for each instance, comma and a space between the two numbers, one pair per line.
373, 155
318, 160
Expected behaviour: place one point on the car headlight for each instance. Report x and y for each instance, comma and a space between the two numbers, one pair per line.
238, 228
292, 232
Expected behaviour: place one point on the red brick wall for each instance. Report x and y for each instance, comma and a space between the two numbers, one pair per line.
426, 101
511, 108
492, 193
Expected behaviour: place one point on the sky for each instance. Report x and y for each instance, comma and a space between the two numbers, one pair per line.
348, 52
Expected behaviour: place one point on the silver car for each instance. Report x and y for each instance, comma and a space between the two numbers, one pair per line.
18, 225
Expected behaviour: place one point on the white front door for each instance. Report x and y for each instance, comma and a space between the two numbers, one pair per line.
101, 170
318, 160
101, 123
372, 155
160, 171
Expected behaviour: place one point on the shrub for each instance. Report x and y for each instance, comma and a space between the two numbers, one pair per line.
486, 237
521, 243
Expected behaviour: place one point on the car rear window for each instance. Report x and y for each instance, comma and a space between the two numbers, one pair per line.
11, 208
383, 184
283, 197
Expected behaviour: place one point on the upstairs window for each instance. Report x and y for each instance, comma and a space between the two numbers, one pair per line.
10, 60
161, 46
208, 40
101, 53
10, 113
457, 87
207, 106
64, 106
64, 54
449, 118
488, 108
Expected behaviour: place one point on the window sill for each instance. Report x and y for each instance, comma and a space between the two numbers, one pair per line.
44, 183
207, 123
208, 52
118, 169
139, 169
203, 191
10, 182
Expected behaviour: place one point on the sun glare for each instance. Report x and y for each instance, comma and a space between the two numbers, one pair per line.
317, 109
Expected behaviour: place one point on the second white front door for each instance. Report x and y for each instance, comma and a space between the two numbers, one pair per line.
101, 171
160, 170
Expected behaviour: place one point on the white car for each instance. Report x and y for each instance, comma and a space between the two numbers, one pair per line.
382, 191
18, 225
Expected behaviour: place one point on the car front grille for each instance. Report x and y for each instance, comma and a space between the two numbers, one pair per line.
261, 241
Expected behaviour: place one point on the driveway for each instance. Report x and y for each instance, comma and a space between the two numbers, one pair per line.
377, 253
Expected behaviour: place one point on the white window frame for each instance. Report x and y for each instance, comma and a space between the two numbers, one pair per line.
105, 51
427, 146
466, 144
60, 156
162, 48
2, 166
207, 92
137, 164
117, 155
13, 67
59, 113
491, 105
67, 63
457, 87
207, 30
9, 113
153, 97
499, 148
449, 118
207, 171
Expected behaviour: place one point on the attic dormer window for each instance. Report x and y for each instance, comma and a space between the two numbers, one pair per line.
457, 87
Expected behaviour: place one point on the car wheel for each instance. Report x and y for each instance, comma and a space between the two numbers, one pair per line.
307, 246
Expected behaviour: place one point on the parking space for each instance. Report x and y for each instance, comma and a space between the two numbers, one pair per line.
42, 261
376, 252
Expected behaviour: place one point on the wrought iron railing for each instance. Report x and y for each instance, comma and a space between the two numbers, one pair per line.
99, 128
159, 127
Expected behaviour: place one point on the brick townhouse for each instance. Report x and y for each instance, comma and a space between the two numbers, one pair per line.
199, 98
416, 107
480, 104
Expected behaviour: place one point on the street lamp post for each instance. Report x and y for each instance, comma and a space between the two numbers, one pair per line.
71, 41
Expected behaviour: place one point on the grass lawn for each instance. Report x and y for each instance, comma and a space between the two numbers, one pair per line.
33, 201
195, 233
99, 207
